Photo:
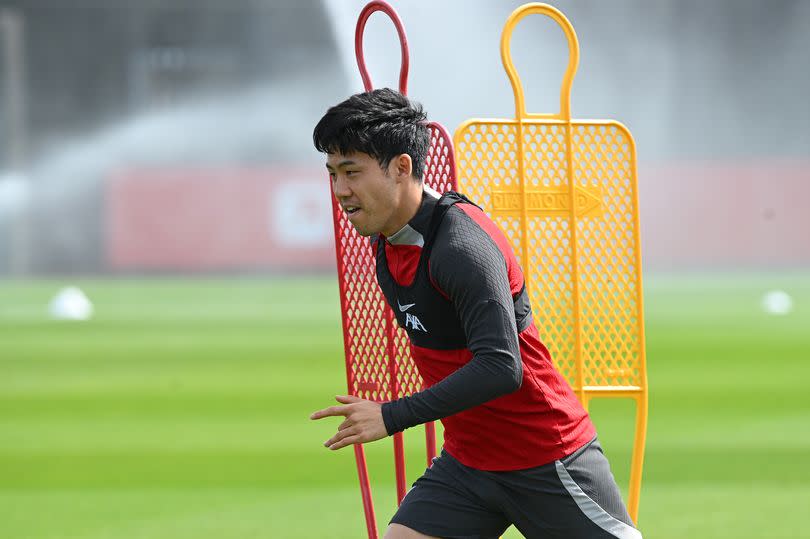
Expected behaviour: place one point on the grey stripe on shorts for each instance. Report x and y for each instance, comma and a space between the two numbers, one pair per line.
592, 510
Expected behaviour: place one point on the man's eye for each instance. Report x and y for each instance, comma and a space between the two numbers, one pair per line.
351, 172
332, 176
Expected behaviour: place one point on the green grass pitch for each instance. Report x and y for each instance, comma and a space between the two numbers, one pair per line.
181, 411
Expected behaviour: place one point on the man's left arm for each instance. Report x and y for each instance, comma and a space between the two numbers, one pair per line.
468, 266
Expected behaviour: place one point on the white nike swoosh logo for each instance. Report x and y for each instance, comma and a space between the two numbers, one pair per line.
403, 308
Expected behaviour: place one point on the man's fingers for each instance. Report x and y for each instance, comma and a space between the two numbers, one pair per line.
349, 440
347, 399
337, 410
341, 434
346, 424
330, 412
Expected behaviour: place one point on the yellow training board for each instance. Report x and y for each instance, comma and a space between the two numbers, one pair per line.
564, 193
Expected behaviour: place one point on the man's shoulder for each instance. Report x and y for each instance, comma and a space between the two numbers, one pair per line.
461, 236
463, 219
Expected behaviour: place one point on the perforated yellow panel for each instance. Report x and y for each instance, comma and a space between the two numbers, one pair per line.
605, 213
564, 193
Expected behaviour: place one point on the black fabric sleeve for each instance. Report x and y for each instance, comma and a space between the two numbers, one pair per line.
467, 265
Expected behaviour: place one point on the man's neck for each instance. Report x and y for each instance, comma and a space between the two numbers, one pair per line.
411, 202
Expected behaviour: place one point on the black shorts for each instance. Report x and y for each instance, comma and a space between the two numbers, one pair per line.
569, 498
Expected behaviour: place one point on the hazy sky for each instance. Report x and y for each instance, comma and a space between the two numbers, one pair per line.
690, 79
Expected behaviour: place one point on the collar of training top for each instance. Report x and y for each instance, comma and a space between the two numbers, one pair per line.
413, 232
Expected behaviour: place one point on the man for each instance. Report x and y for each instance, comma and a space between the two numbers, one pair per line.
518, 446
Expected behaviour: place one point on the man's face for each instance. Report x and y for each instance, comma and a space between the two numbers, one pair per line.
367, 193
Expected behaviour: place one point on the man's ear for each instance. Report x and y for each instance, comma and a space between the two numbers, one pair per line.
403, 166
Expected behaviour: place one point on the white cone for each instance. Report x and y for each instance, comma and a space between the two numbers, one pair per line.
70, 304
777, 302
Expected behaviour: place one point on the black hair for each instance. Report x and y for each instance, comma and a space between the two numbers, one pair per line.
380, 123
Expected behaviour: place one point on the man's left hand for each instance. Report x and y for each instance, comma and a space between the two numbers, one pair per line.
363, 423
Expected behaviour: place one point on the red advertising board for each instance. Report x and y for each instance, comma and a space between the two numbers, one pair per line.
725, 214
693, 215
218, 219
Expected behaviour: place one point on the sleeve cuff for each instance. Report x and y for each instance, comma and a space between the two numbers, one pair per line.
391, 425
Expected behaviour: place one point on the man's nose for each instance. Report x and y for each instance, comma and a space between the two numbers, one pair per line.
340, 187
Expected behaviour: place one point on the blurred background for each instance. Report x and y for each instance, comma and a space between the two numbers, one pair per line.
175, 136
156, 157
